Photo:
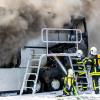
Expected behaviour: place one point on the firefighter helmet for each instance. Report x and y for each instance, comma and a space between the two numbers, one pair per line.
70, 72
93, 51
79, 53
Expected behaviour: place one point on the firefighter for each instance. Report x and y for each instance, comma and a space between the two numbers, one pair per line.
80, 61
80, 58
81, 69
88, 64
95, 68
69, 84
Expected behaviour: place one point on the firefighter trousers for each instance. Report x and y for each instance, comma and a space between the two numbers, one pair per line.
95, 80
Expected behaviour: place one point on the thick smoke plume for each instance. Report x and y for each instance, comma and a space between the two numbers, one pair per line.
22, 20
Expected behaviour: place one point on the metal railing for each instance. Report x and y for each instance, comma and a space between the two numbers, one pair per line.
46, 32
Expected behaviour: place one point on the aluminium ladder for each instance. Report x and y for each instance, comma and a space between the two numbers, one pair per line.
85, 77
33, 63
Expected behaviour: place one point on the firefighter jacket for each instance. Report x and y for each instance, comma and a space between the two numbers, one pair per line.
95, 70
80, 67
88, 63
94, 62
69, 86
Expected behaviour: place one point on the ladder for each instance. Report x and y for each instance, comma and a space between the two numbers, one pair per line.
77, 77
34, 63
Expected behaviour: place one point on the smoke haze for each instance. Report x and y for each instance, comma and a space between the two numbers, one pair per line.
22, 20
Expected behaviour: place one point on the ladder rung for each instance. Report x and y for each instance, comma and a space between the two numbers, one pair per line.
33, 66
30, 80
32, 73
28, 87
